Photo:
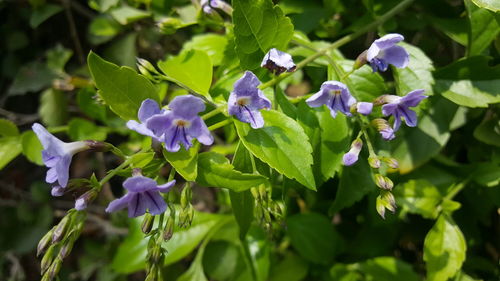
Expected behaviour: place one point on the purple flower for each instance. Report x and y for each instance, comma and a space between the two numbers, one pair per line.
384, 51
335, 95
208, 6
364, 108
148, 109
57, 191
384, 128
399, 107
246, 100
278, 62
143, 194
351, 156
57, 155
181, 124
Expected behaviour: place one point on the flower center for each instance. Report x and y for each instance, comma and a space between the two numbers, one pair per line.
243, 101
182, 123
335, 92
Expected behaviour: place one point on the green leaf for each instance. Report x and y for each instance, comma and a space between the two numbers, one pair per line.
8, 128
329, 138
487, 174
492, 5
214, 170
81, 129
103, 28
32, 148
282, 144
212, 44
489, 131
444, 249
483, 28
32, 77
284, 104
388, 268
418, 197
42, 13
470, 82
291, 268
258, 27
355, 183
120, 87
126, 14
192, 69
313, 236
418, 73
221, 259
243, 202
123, 51
53, 107
140, 160
363, 83
184, 161
10, 147
87, 102
57, 58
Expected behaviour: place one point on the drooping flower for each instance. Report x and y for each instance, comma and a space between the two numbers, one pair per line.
208, 6
384, 128
335, 95
246, 100
148, 109
399, 107
352, 155
384, 51
278, 62
143, 194
57, 155
181, 124
364, 108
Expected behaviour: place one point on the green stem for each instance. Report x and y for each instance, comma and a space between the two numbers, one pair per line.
220, 124
180, 84
55, 130
367, 138
212, 113
342, 41
456, 189
113, 172
275, 101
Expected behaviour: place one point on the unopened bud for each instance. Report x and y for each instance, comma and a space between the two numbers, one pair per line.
383, 128
364, 108
169, 25
99, 146
152, 274
57, 191
47, 259
391, 162
66, 249
156, 254
44, 243
185, 196
54, 269
374, 162
190, 215
82, 202
385, 201
145, 67
263, 192
383, 182
147, 223
352, 155
169, 229
255, 193
61, 229
360, 60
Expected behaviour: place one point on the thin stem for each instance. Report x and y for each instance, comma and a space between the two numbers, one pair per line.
55, 130
113, 172
367, 138
456, 189
220, 124
212, 113
342, 41
275, 105
182, 85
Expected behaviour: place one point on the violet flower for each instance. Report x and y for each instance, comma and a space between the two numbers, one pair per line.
143, 194
352, 155
181, 124
335, 95
399, 107
57, 155
278, 62
208, 6
246, 100
384, 51
364, 108
148, 109
384, 128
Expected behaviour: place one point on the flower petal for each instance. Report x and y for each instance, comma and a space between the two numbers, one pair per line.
246, 84
161, 124
154, 202
413, 98
318, 99
140, 128
62, 169
51, 176
136, 205
410, 116
388, 40
119, 203
364, 108
148, 108
139, 184
186, 106
397, 56
199, 130
164, 188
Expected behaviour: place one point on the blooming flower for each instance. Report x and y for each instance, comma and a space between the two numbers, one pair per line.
208, 6
364, 108
181, 124
335, 95
384, 51
399, 107
143, 194
351, 156
278, 62
148, 109
57, 155
246, 100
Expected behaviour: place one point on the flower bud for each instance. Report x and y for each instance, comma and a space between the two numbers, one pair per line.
383, 182
44, 243
385, 201
145, 67
57, 191
54, 269
191, 215
61, 229
391, 162
147, 223
169, 229
255, 193
169, 25
364, 108
155, 254
99, 146
351, 156
383, 128
82, 202
263, 192
47, 259
66, 249
374, 162
360, 60
152, 274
